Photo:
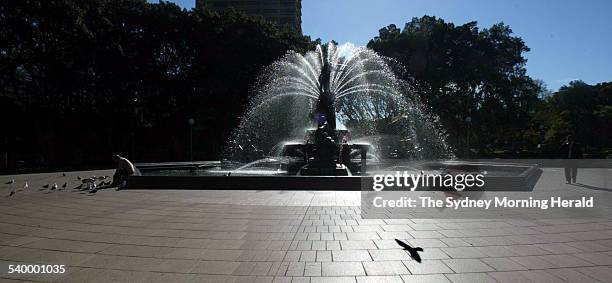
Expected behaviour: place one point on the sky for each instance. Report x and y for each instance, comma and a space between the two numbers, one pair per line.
569, 39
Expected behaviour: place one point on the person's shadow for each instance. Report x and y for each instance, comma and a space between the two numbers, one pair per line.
591, 187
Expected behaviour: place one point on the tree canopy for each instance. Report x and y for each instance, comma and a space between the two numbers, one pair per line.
82, 79
474, 79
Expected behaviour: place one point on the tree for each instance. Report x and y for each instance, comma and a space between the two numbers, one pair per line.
582, 110
80, 80
460, 72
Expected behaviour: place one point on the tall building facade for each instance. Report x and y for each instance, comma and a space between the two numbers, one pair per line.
280, 12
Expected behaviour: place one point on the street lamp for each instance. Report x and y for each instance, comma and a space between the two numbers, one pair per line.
468, 121
191, 121
541, 144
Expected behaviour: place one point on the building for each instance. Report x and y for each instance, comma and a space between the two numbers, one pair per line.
280, 12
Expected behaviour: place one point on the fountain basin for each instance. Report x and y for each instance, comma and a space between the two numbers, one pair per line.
213, 175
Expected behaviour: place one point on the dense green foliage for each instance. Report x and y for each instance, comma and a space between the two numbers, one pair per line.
82, 79
580, 109
462, 71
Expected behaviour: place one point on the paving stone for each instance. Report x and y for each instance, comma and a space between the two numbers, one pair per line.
385, 268
397, 254
467, 265
503, 264
433, 253
497, 251
601, 273
215, 267
427, 267
281, 279
533, 262
332, 280
357, 245
312, 269
539, 276
569, 274
565, 260
429, 278
296, 269
470, 277
343, 269
509, 277
352, 255
308, 256
464, 252
596, 258
379, 279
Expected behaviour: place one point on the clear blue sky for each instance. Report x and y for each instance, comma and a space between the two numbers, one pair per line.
569, 39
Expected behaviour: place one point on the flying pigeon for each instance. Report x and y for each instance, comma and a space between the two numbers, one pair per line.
414, 252
54, 187
10, 182
46, 186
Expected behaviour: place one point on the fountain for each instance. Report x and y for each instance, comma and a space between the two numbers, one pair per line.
342, 92
324, 120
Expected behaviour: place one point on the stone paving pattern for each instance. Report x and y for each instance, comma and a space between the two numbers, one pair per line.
282, 236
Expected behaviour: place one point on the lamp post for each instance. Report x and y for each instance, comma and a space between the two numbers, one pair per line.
191, 121
468, 121
541, 144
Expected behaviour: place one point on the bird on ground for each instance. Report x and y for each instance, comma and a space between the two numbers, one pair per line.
63, 174
10, 182
12, 192
414, 252
46, 186
64, 186
78, 187
54, 187
25, 186
89, 183
79, 178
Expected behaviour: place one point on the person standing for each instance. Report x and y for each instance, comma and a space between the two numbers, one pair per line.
570, 150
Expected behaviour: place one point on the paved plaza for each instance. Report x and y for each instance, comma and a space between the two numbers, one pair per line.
287, 236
